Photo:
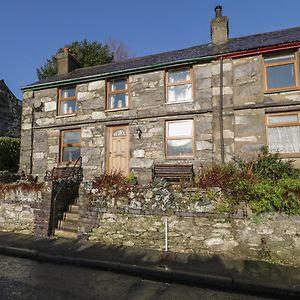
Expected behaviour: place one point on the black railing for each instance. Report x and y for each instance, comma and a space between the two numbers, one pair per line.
75, 170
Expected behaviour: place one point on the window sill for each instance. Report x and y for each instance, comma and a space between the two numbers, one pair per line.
180, 157
179, 102
289, 155
282, 90
117, 109
65, 116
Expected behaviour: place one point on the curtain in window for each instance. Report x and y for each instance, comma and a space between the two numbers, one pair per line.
284, 139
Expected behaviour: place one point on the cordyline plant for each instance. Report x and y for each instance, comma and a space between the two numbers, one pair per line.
116, 182
24, 186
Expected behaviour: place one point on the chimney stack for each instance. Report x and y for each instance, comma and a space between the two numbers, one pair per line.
66, 62
219, 27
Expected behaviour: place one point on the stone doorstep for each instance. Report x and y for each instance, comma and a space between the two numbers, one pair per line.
71, 216
69, 225
69, 234
74, 208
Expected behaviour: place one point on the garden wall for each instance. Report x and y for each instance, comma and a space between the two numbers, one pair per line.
195, 224
25, 208
275, 238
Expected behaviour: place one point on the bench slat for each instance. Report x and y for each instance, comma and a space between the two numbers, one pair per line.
173, 171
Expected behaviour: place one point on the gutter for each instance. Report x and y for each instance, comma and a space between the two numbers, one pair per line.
262, 50
116, 73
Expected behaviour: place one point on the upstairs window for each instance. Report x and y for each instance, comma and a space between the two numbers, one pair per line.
67, 101
179, 139
70, 145
179, 85
283, 131
281, 72
117, 94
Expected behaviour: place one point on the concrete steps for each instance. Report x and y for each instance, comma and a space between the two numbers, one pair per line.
68, 227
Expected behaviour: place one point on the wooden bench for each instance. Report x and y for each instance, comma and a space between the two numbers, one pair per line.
173, 172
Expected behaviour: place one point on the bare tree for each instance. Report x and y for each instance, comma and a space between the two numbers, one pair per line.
119, 50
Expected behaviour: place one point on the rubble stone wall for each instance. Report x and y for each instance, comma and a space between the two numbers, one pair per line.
26, 211
275, 238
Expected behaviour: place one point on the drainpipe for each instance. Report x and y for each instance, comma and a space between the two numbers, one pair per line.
31, 142
33, 110
221, 112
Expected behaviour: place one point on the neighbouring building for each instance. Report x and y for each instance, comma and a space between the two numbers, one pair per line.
199, 105
10, 112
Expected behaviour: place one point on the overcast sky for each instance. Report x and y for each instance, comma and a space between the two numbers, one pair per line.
32, 30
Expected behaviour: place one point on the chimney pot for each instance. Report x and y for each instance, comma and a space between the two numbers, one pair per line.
218, 11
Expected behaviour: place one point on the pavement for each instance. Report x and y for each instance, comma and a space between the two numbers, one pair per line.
217, 272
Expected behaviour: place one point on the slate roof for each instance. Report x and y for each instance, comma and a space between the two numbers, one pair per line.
232, 45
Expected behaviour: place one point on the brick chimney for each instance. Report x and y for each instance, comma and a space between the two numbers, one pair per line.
219, 27
66, 62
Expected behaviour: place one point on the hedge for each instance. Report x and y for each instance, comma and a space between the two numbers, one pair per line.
9, 154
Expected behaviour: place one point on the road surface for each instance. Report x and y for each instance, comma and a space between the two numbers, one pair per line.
26, 279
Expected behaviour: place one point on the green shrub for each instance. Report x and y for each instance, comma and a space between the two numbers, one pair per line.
9, 153
270, 165
282, 196
8, 177
267, 183
131, 178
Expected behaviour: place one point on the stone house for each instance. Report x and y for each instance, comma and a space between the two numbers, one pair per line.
10, 112
199, 105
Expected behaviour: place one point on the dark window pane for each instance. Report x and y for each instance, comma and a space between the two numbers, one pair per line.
281, 76
68, 107
71, 137
118, 100
71, 153
179, 148
118, 85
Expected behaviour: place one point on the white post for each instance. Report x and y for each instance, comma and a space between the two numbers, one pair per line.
166, 234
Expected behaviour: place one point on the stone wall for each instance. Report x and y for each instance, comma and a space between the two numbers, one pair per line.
10, 112
136, 217
274, 238
25, 210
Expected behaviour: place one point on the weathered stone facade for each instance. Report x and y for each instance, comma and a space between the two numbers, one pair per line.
244, 108
10, 112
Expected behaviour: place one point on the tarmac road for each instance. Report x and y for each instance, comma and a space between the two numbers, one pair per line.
26, 279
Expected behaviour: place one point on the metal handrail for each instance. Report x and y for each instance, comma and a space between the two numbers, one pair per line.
79, 159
